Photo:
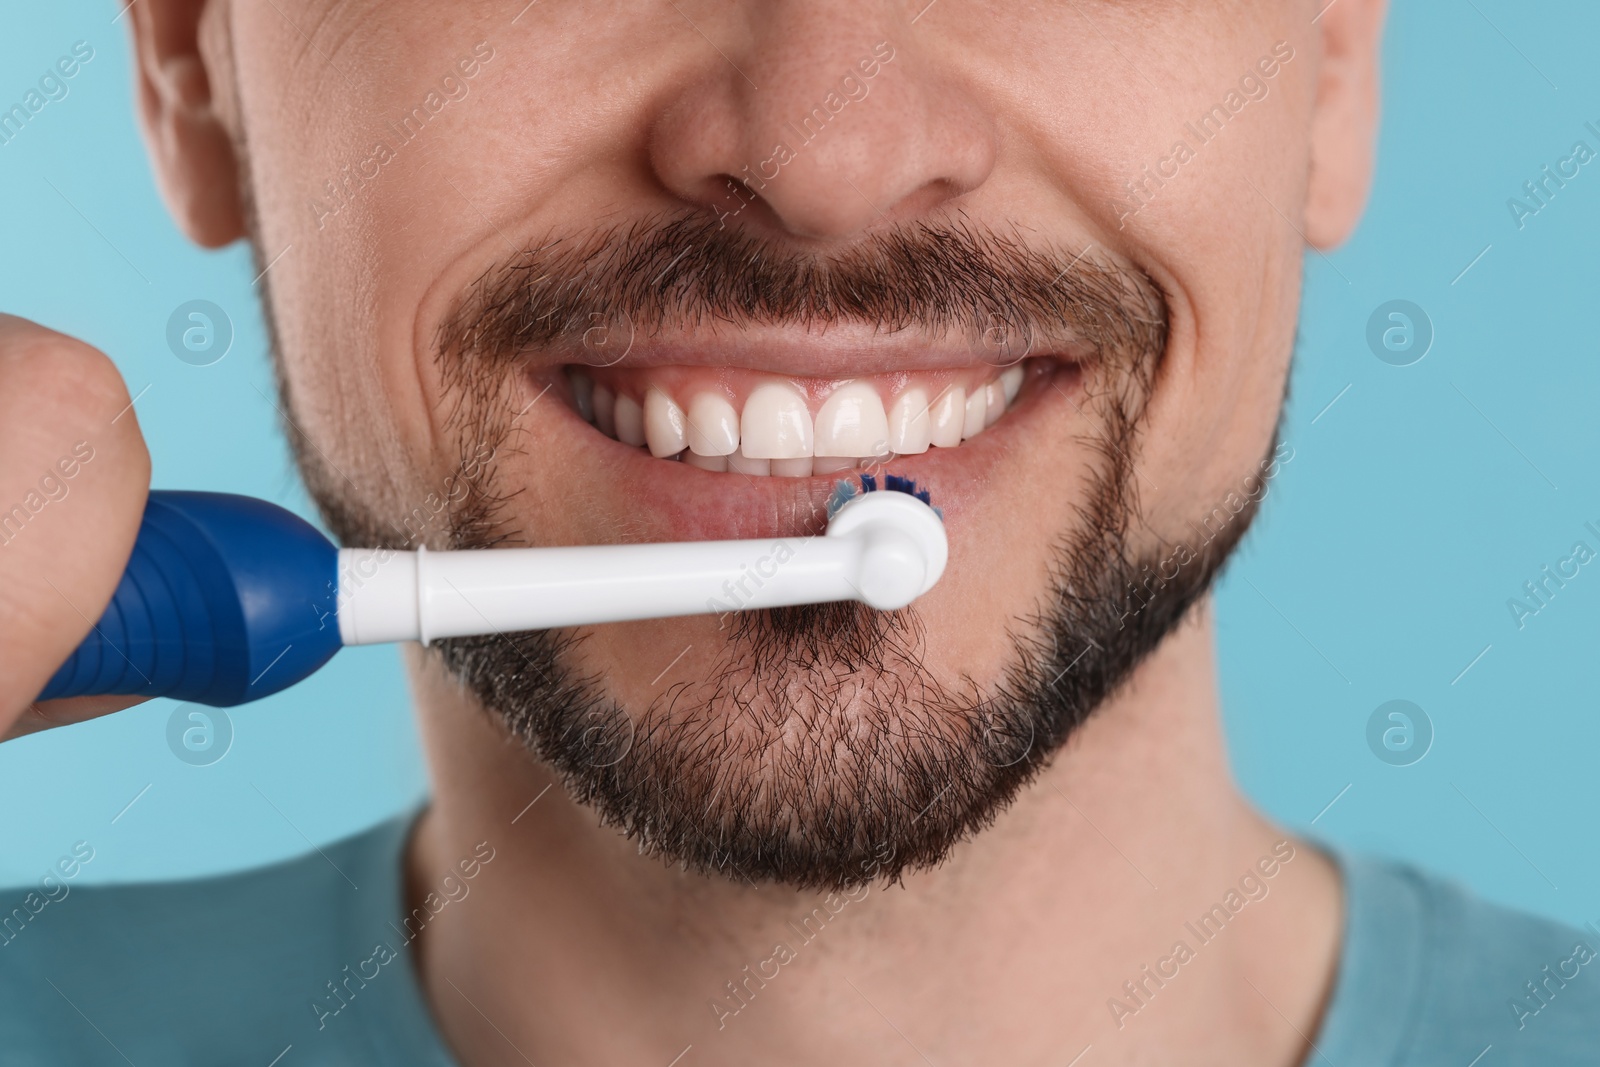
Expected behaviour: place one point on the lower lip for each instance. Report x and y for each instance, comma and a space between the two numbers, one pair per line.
676, 501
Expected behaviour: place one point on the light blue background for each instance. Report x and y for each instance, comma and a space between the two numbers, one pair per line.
1414, 507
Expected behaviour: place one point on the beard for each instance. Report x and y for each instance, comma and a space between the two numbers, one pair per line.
820, 752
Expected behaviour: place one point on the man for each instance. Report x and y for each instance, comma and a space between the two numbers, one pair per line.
590, 273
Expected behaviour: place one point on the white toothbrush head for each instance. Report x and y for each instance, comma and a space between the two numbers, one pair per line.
904, 546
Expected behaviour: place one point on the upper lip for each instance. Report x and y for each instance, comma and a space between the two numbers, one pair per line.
839, 351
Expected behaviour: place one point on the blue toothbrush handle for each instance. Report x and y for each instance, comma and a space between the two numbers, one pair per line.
226, 599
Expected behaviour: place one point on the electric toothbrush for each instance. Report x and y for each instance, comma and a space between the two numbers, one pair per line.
227, 599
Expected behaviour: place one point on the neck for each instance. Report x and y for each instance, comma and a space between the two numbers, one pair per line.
1084, 917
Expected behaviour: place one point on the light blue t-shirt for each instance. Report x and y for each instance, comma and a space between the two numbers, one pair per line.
306, 964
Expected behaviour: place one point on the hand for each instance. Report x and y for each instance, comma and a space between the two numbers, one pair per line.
74, 475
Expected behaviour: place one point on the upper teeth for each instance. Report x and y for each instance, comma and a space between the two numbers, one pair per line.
775, 424
852, 423
776, 432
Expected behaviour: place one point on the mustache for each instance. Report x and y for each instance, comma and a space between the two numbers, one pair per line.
688, 271
682, 271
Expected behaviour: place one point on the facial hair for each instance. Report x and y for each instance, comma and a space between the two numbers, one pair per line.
820, 752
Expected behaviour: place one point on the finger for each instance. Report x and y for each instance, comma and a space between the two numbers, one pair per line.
74, 474
48, 714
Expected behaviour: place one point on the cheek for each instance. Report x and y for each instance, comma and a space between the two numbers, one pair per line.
1213, 233
1232, 266
352, 249
1212, 422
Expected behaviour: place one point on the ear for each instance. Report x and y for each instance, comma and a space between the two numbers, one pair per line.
1344, 128
185, 128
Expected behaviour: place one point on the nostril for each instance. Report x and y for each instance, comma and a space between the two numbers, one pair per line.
729, 196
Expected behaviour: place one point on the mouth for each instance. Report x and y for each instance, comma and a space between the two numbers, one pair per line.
735, 421
721, 451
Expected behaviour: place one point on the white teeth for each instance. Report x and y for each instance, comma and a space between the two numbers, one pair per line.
947, 416
775, 424
1011, 382
910, 427
630, 421
852, 423
798, 467
713, 426
995, 403
663, 425
739, 463
604, 405
972, 417
582, 395
775, 435
832, 464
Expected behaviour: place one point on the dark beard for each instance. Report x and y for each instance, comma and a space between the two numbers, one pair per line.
820, 753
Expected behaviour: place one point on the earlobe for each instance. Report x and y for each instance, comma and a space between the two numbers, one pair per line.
1344, 126
186, 131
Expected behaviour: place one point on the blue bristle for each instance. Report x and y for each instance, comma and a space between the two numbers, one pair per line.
844, 491
895, 483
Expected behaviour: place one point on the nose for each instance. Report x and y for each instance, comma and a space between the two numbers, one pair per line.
820, 118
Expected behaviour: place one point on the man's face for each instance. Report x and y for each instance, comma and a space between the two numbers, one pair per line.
503, 243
